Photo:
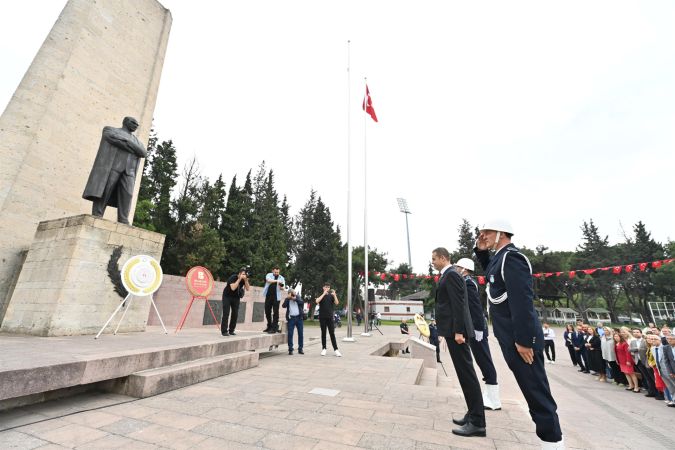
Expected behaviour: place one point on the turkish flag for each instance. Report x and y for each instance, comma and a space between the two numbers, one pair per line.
436, 278
548, 274
368, 105
629, 268
397, 277
668, 261
572, 273
616, 270
536, 275
643, 266
405, 277
589, 271
383, 276
557, 274
656, 264
481, 280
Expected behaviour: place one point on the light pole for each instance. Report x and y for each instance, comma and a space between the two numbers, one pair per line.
403, 207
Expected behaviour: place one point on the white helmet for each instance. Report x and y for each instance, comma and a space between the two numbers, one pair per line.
498, 225
465, 263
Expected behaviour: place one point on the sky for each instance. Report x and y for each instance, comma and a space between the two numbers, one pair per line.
547, 114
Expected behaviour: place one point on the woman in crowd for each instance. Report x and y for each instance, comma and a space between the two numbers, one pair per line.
625, 360
594, 352
619, 376
567, 335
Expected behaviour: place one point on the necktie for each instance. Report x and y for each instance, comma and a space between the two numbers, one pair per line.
656, 350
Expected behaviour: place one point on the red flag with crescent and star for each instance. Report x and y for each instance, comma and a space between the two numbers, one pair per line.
368, 105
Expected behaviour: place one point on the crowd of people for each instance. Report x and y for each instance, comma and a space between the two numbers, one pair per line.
640, 360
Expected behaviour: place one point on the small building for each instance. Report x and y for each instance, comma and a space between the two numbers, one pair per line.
562, 315
595, 315
405, 308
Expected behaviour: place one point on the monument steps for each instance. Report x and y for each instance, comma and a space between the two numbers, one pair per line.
37, 369
156, 381
429, 377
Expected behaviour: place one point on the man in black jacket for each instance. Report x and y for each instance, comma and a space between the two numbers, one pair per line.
479, 343
454, 324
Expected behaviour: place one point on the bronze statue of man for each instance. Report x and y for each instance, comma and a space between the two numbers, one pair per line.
111, 181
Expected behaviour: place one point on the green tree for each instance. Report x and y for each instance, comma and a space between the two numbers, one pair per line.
235, 228
319, 256
639, 285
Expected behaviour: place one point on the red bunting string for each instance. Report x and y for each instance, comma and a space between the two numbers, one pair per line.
616, 270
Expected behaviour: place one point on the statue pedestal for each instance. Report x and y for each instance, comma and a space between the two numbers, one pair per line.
65, 286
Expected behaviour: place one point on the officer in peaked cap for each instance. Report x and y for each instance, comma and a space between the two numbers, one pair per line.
479, 343
516, 326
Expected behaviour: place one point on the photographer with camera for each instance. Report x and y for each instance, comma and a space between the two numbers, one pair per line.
327, 302
294, 316
274, 285
234, 290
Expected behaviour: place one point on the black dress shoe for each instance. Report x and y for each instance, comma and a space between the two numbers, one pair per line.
650, 395
469, 430
461, 422
232, 333
225, 333
266, 329
301, 352
290, 352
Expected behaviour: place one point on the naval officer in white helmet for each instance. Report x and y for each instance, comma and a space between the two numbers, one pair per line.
516, 325
479, 343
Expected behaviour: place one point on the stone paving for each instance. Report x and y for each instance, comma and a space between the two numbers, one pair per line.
376, 406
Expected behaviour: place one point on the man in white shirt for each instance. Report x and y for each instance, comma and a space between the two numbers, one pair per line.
549, 343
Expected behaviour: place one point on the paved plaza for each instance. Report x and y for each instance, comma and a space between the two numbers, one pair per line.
357, 401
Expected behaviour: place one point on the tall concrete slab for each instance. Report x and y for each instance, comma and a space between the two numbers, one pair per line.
101, 61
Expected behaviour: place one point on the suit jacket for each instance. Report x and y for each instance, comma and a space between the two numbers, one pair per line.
119, 150
579, 340
452, 306
639, 351
668, 358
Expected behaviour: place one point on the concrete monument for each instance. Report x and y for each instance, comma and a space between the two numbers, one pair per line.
101, 61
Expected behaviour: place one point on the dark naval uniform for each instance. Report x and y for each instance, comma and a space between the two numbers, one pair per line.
514, 320
480, 349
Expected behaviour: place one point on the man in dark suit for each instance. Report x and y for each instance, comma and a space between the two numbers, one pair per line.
454, 324
111, 180
516, 325
579, 343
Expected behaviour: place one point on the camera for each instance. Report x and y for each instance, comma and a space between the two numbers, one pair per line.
248, 272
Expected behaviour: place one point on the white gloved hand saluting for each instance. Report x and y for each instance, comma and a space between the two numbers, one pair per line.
479, 335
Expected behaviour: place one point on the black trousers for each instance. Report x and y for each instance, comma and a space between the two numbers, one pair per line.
468, 381
327, 324
534, 385
648, 381
125, 190
230, 314
617, 375
549, 344
481, 351
272, 312
573, 354
582, 359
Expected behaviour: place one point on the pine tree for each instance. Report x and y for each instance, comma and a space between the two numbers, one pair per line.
319, 255
639, 285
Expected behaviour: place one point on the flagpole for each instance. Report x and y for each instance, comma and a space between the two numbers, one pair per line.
365, 213
349, 337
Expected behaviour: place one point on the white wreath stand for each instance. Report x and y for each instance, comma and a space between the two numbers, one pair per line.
123, 304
